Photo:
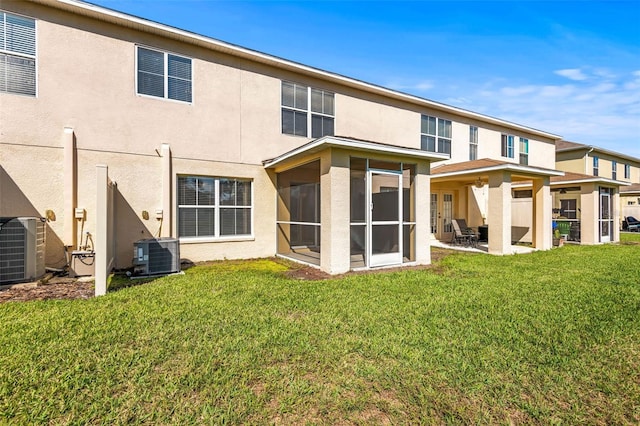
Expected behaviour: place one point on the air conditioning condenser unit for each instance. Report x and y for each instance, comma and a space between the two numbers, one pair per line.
22, 245
156, 256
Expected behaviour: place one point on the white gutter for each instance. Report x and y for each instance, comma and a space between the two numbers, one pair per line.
508, 167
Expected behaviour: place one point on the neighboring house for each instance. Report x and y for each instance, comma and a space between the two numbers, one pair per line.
240, 154
609, 165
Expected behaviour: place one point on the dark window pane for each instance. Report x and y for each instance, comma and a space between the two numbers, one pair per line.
316, 100
187, 191
235, 221
150, 61
301, 97
287, 94
300, 123
150, 84
179, 67
428, 143
186, 222
206, 191
179, 90
20, 35
206, 224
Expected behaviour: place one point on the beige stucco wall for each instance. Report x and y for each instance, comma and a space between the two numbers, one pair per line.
576, 165
86, 81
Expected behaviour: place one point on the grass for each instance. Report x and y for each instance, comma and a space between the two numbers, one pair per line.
546, 338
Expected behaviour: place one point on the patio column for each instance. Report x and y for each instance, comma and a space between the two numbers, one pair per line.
499, 213
422, 195
589, 214
335, 245
542, 218
615, 200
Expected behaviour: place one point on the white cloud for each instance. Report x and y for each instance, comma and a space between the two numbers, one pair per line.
420, 86
572, 74
603, 110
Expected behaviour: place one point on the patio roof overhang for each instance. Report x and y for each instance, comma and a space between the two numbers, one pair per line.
468, 172
355, 145
571, 178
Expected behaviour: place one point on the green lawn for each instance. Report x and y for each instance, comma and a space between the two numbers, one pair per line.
546, 338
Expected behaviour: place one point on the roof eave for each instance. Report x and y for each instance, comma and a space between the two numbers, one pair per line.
505, 167
116, 17
354, 145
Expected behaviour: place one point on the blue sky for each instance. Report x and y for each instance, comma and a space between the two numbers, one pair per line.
566, 67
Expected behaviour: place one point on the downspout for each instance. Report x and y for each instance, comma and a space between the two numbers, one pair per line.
586, 161
70, 189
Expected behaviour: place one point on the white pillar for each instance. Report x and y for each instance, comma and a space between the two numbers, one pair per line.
422, 196
589, 214
499, 214
102, 230
542, 214
335, 235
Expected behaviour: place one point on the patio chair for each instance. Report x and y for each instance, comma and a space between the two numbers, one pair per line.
463, 237
464, 228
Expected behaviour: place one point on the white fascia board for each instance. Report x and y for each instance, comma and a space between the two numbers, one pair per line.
578, 182
355, 145
591, 180
507, 167
283, 63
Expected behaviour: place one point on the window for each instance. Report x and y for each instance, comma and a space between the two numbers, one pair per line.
595, 166
524, 193
524, 151
214, 207
568, 209
435, 134
163, 75
17, 54
473, 143
614, 170
627, 171
305, 108
507, 146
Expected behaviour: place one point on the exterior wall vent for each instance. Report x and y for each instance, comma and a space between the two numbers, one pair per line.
156, 256
22, 245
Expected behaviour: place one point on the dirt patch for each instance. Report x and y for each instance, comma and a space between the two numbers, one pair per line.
55, 288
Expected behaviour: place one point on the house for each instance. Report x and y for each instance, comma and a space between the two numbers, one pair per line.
595, 162
118, 129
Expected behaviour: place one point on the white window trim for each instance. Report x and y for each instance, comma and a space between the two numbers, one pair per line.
216, 207
437, 136
24, 55
165, 97
308, 110
473, 140
510, 148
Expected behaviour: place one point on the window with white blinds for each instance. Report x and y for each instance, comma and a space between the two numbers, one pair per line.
17, 54
214, 207
163, 75
305, 108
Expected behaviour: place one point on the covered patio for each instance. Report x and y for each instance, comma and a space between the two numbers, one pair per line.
584, 207
481, 192
348, 204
